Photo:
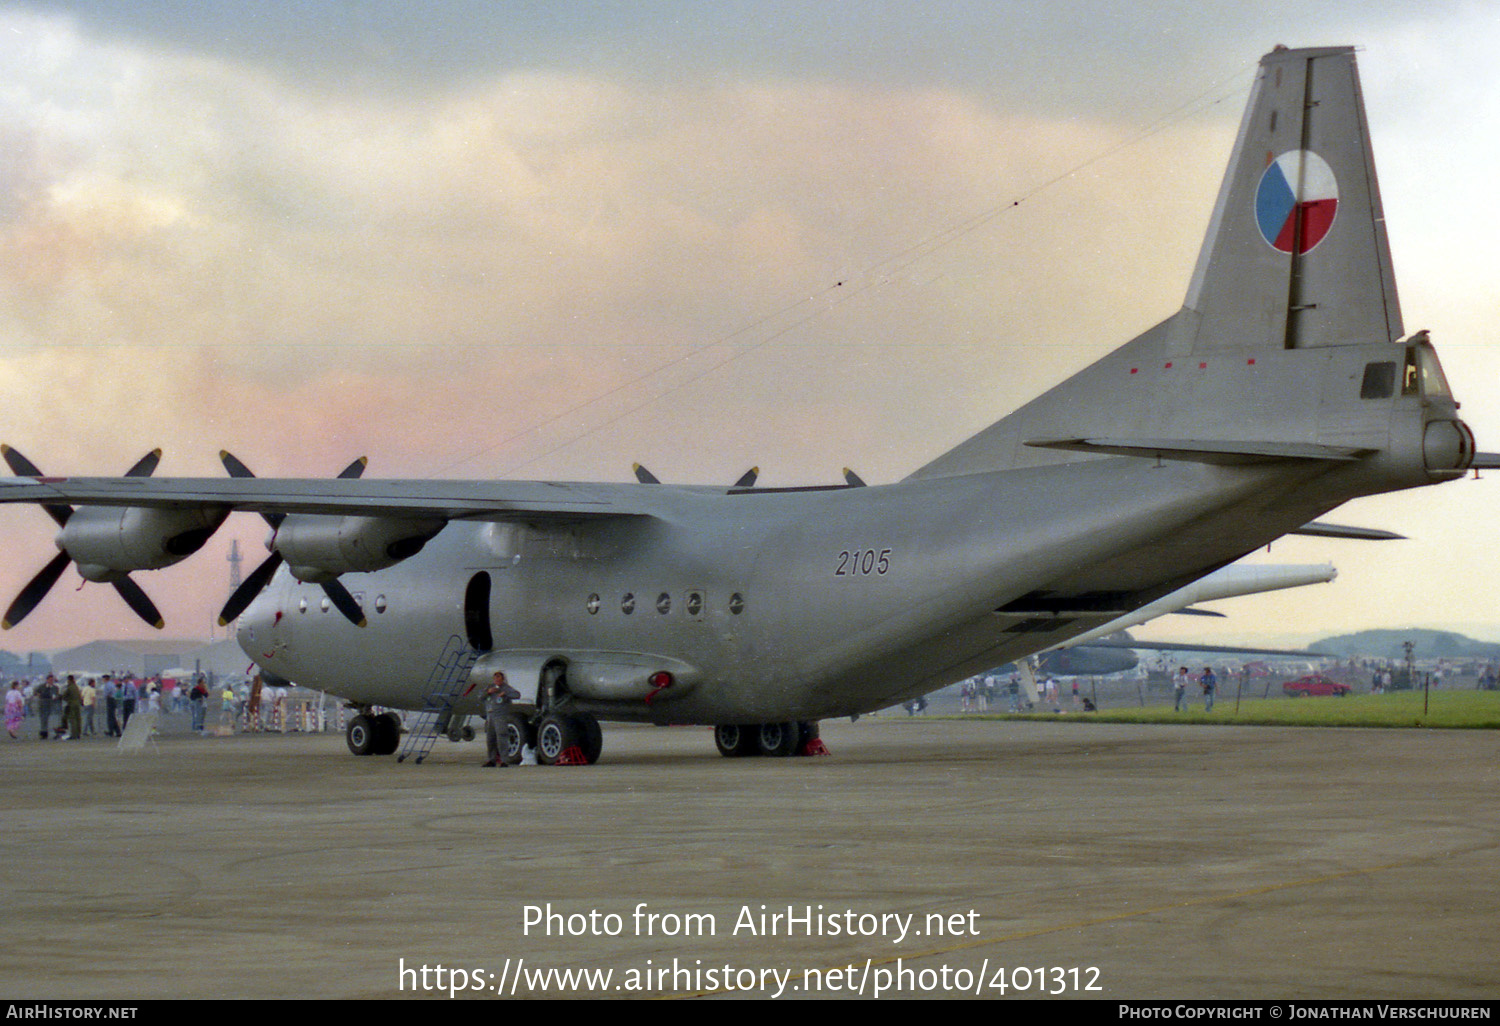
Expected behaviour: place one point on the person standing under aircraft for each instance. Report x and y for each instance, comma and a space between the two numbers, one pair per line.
497, 699
1179, 688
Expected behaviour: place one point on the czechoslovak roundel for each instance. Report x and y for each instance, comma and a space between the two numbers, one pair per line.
1296, 201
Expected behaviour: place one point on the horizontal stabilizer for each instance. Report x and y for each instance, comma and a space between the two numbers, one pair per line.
1199, 612
1197, 451
1486, 461
1323, 529
1187, 646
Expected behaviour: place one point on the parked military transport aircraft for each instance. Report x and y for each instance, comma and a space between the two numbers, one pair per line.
1284, 386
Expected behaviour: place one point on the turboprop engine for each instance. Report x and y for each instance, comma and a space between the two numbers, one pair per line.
320, 548
107, 542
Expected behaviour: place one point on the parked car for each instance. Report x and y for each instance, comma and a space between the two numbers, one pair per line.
1314, 684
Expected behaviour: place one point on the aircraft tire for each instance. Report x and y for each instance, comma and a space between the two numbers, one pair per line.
777, 739
514, 740
387, 729
590, 736
734, 741
360, 735
554, 735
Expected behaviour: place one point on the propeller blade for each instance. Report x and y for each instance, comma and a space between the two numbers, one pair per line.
22, 467
233, 465
237, 469
35, 590
747, 479
249, 588
262, 576
19, 465
643, 475
136, 599
146, 465
852, 479
345, 603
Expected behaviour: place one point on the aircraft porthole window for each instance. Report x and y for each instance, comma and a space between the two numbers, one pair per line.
736, 603
325, 605
664, 603
593, 604
302, 606
694, 603
627, 604
379, 603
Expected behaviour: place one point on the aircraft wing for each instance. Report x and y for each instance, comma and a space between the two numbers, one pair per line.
401, 499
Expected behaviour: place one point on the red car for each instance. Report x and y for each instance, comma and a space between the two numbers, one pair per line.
1314, 684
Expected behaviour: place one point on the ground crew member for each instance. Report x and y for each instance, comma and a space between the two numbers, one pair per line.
497, 699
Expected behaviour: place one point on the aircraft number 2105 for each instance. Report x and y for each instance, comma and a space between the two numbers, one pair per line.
863, 563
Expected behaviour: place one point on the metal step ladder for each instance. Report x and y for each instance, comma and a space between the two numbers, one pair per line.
447, 682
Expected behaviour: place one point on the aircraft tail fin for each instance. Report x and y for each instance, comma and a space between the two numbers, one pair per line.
1273, 271
1292, 298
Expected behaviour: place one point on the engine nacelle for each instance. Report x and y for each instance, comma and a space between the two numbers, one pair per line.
108, 542
320, 548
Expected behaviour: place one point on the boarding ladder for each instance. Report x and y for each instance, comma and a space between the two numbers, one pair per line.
448, 681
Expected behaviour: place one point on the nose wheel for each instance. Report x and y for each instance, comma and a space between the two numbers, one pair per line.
370, 734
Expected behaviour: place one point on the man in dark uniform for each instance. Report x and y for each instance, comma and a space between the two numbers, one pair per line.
47, 696
497, 699
72, 711
111, 707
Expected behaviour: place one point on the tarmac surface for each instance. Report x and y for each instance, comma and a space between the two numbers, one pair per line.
1148, 861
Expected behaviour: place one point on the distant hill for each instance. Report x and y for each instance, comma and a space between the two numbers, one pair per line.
1386, 644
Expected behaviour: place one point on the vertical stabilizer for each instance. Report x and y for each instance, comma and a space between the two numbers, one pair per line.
1292, 299
1296, 255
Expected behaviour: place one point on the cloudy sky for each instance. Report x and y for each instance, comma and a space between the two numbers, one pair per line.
477, 239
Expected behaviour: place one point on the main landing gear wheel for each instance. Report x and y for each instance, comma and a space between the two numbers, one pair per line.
778, 739
734, 741
514, 739
556, 735
591, 737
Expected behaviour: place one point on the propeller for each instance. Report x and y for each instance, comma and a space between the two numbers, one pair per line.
746, 480
36, 589
261, 575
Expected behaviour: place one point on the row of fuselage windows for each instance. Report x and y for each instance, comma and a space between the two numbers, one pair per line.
326, 604
693, 604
